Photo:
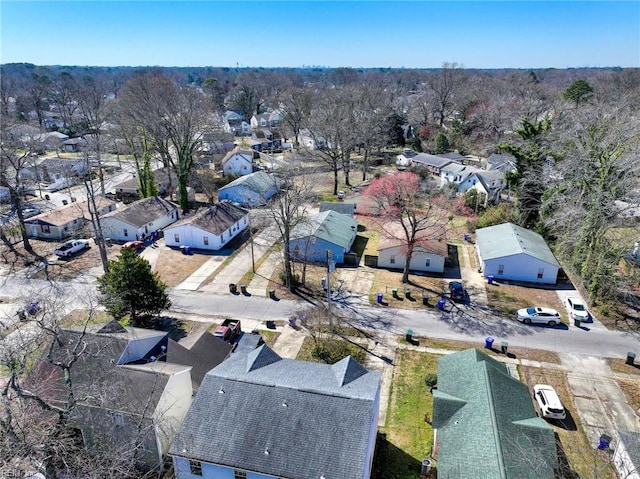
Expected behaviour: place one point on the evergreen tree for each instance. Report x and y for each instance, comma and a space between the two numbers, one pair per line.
131, 287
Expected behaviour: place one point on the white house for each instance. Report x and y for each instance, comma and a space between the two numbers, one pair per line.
208, 228
139, 219
330, 233
509, 252
66, 221
429, 252
250, 190
626, 457
260, 416
266, 120
238, 161
455, 173
489, 183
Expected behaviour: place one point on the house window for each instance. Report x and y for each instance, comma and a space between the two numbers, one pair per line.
118, 419
126, 232
45, 228
195, 467
392, 260
500, 269
540, 273
427, 262
237, 474
176, 238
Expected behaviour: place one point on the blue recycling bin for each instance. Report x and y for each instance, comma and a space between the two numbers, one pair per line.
488, 342
490, 279
379, 298
33, 308
467, 237
604, 442
186, 250
441, 304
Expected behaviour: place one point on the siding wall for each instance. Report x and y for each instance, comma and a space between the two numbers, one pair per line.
418, 260
520, 267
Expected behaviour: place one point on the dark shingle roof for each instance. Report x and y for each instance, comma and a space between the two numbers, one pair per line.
487, 426
144, 211
432, 160
215, 219
342, 207
282, 417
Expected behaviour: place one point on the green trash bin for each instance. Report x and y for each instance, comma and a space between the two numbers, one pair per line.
577, 322
504, 346
425, 299
631, 358
395, 292
407, 293
409, 335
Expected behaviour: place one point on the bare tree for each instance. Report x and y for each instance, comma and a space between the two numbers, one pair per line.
445, 85
296, 104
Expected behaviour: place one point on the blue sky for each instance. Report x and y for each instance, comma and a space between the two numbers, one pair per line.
416, 34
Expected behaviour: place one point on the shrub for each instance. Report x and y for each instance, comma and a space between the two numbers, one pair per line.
431, 379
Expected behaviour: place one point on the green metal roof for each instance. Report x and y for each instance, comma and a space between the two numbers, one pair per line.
330, 226
508, 239
487, 426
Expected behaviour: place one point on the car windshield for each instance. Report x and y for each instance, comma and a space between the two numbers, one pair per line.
578, 307
531, 310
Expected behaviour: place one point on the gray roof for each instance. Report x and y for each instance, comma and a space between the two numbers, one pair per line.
487, 426
282, 417
432, 160
160, 176
245, 152
342, 207
631, 441
508, 239
216, 219
498, 161
452, 156
144, 211
330, 226
260, 182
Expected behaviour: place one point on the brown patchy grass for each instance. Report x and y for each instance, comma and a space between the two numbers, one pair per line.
581, 455
621, 366
173, 267
384, 281
506, 299
519, 353
631, 389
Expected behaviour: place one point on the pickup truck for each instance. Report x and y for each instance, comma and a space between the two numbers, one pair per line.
71, 247
228, 330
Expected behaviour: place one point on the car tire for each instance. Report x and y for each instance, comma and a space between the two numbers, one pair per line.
551, 323
526, 321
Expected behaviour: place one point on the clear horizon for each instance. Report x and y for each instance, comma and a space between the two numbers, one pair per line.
295, 34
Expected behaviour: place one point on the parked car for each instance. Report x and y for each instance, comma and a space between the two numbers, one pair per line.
577, 309
134, 245
538, 315
549, 402
71, 247
456, 291
341, 195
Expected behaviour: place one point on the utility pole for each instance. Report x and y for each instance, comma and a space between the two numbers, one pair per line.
328, 279
253, 261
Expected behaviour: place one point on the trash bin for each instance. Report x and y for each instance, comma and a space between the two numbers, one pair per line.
407, 293
33, 308
467, 237
604, 442
65, 202
425, 299
47, 197
630, 358
272, 293
243, 288
577, 322
409, 335
504, 346
490, 279
186, 250
488, 342
324, 283
379, 298
441, 304
292, 321
395, 292
233, 288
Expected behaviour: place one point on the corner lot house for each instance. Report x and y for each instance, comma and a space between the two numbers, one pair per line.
139, 219
329, 232
428, 255
259, 416
513, 253
66, 221
125, 391
250, 190
208, 228
485, 425
237, 162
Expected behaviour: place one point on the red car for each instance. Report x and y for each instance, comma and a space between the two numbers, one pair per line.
134, 245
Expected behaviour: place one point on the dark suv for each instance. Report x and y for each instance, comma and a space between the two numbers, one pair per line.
456, 290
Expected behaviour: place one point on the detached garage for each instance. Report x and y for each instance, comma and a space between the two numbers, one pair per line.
509, 252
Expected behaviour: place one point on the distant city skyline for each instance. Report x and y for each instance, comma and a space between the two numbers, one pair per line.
359, 34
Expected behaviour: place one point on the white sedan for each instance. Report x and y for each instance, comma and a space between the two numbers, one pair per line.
539, 315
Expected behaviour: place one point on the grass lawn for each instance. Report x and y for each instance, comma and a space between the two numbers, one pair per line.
345, 348
409, 438
621, 366
581, 456
173, 267
506, 299
384, 281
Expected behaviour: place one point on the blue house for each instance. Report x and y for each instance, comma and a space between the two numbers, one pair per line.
329, 233
259, 416
250, 190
